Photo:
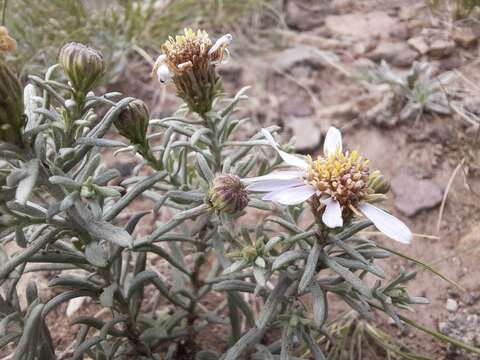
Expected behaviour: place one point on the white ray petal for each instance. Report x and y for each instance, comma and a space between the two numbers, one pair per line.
291, 196
221, 42
333, 141
277, 175
163, 73
332, 216
386, 223
274, 185
288, 158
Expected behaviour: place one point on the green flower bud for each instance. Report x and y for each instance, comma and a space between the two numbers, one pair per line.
378, 182
249, 253
12, 118
83, 66
227, 194
132, 122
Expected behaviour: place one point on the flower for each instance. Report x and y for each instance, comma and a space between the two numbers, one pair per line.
12, 118
83, 65
336, 183
7, 43
228, 194
189, 61
132, 122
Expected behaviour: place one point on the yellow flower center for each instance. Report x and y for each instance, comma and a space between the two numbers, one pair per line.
343, 176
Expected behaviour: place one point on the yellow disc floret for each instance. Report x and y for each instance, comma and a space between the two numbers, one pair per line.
342, 176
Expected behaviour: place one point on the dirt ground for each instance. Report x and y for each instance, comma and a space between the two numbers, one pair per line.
311, 80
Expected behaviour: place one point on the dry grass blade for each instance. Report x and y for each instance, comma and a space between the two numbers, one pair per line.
425, 266
445, 194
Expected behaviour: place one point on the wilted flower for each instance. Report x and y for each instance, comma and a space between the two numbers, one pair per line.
7, 43
83, 66
12, 118
132, 122
227, 194
189, 60
336, 182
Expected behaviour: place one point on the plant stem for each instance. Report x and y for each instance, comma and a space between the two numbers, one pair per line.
147, 154
269, 311
24, 256
216, 147
4, 11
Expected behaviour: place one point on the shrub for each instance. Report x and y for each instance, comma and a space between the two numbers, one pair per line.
66, 208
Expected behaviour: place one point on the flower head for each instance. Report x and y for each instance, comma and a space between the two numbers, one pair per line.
7, 43
132, 122
189, 60
337, 183
12, 118
83, 65
342, 176
228, 194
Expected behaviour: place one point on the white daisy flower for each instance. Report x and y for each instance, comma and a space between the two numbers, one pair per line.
336, 181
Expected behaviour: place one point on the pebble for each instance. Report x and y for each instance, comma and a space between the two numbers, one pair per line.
298, 15
465, 37
441, 48
307, 133
361, 25
413, 192
298, 55
297, 104
452, 305
419, 44
395, 53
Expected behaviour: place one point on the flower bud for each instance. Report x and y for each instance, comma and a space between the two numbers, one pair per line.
12, 118
249, 253
227, 194
132, 122
7, 43
83, 66
378, 182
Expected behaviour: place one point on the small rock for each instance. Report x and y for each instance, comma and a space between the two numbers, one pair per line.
441, 48
299, 16
411, 11
398, 53
360, 47
413, 192
74, 305
307, 133
342, 5
450, 63
452, 305
419, 44
360, 25
297, 104
298, 56
465, 37
400, 31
